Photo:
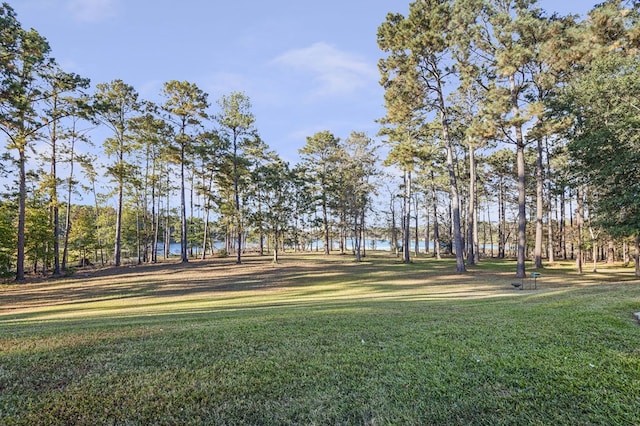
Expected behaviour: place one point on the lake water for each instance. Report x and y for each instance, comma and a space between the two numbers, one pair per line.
174, 248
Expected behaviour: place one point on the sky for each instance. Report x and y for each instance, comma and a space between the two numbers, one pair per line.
307, 66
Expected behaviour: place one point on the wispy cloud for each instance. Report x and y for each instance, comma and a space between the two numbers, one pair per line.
92, 10
335, 72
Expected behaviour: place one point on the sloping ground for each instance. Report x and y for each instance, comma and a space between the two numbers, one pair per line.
319, 340
297, 279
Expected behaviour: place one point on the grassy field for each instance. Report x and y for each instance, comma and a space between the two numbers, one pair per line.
320, 340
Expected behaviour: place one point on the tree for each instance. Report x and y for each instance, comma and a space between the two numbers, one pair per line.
74, 135
500, 33
502, 176
116, 105
358, 167
208, 154
605, 142
419, 60
237, 128
186, 106
404, 153
24, 59
275, 182
62, 99
600, 103
319, 155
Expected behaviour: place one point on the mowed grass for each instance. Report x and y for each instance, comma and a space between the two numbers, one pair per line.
321, 340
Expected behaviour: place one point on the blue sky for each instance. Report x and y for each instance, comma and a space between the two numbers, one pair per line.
307, 66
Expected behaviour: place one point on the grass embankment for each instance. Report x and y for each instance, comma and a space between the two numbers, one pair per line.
320, 341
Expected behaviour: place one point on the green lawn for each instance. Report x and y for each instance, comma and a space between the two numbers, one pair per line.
319, 340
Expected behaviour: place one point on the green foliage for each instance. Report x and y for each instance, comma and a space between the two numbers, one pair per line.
38, 235
7, 237
605, 142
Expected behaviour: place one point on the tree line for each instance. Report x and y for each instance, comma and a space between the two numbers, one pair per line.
558, 93
492, 107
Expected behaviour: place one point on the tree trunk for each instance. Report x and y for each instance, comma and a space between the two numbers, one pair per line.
427, 228
67, 220
502, 221
471, 255
522, 189
325, 222
436, 226
22, 204
580, 220
183, 210
537, 251
275, 246
637, 257
453, 186
117, 246
550, 237
54, 205
236, 191
406, 223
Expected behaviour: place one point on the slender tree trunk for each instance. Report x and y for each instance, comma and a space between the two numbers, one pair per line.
357, 238
522, 190
67, 220
406, 231
154, 217
594, 253
427, 229
436, 226
537, 251
490, 231
563, 224
394, 234
275, 245
167, 223
189, 219
471, 255
476, 236
260, 229
138, 236
363, 237
416, 244
637, 257
502, 221
325, 223
571, 227
550, 199
453, 186
117, 248
207, 211
54, 201
183, 209
22, 204
236, 193
580, 220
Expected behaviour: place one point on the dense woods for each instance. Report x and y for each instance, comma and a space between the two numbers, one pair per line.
508, 132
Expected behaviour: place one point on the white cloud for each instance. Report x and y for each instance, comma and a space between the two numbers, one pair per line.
92, 10
336, 72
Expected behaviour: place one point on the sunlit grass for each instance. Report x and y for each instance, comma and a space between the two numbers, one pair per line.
320, 340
